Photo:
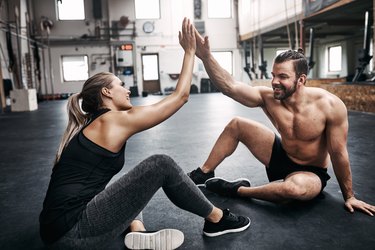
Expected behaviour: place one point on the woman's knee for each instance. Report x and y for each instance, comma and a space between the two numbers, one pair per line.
163, 162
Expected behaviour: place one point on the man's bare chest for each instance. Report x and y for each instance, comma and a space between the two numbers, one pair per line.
300, 127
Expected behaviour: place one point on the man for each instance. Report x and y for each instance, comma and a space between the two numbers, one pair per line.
313, 127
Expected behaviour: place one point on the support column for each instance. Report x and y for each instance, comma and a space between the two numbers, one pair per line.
373, 35
2, 94
302, 35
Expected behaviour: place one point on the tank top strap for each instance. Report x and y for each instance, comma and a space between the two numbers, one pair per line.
95, 115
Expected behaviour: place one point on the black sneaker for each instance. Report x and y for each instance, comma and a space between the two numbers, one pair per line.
166, 239
230, 223
224, 187
199, 177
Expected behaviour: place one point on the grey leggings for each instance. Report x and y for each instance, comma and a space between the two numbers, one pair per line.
110, 212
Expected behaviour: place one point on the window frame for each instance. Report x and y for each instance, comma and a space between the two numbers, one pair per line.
215, 53
63, 68
334, 70
145, 70
145, 17
215, 3
70, 19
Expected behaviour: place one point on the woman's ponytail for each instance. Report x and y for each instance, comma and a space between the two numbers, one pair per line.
77, 119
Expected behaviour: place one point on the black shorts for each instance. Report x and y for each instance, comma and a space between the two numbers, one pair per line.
281, 165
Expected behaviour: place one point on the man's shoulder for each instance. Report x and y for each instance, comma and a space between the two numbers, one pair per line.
325, 100
322, 94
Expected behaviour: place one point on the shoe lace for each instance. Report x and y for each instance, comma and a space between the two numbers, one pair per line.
230, 216
192, 173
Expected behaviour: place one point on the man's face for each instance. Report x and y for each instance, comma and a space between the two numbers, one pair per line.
284, 82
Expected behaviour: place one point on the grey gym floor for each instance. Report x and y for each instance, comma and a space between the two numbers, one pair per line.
28, 141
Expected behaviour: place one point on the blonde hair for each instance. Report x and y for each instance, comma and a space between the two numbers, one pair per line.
91, 102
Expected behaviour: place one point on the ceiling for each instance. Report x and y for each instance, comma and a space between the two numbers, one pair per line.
340, 23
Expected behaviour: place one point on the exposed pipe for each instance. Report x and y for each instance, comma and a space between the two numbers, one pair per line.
287, 25
29, 64
295, 24
19, 54
51, 78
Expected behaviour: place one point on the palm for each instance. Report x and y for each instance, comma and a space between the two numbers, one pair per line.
187, 36
203, 46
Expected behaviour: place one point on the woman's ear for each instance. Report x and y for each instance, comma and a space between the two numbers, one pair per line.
106, 92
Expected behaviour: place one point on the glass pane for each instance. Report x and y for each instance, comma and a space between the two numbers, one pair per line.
71, 10
219, 9
147, 9
150, 67
75, 68
224, 59
371, 63
334, 58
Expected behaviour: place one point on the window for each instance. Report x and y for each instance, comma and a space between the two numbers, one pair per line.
334, 58
219, 9
75, 68
147, 9
150, 67
371, 63
225, 60
71, 10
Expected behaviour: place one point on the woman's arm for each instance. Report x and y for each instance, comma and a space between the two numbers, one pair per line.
144, 117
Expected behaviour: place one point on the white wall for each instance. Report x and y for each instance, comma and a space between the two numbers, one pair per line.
261, 16
164, 39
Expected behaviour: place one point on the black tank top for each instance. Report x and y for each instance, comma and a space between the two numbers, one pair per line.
84, 170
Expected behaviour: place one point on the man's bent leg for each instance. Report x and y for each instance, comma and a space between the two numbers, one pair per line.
255, 136
301, 186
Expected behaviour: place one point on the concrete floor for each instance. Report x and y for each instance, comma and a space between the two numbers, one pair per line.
28, 142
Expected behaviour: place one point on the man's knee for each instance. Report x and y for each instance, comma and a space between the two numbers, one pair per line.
234, 126
294, 192
299, 187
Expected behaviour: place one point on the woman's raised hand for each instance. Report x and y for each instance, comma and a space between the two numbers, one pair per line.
187, 36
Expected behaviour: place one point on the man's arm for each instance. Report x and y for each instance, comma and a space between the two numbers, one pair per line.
241, 92
337, 131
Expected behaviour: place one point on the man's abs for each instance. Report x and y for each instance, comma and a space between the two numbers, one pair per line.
312, 152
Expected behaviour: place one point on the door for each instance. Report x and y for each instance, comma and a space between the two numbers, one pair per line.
150, 72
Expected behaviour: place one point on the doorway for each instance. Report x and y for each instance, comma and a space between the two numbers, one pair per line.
150, 72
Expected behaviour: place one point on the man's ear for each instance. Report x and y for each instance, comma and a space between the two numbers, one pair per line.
106, 92
302, 79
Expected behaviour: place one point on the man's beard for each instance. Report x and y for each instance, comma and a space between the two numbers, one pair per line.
284, 93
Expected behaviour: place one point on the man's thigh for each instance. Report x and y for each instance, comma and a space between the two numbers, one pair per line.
257, 138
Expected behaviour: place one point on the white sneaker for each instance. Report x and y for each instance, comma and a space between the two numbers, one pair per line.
166, 239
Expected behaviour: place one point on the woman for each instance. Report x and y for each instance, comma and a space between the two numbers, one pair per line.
79, 211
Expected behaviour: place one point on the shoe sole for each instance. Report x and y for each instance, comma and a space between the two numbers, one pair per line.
166, 239
236, 230
219, 178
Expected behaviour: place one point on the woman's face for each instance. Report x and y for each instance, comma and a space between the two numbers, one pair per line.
120, 95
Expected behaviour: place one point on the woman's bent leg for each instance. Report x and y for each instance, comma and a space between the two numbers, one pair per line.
110, 212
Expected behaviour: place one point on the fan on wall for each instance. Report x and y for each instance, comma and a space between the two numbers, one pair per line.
123, 22
46, 24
